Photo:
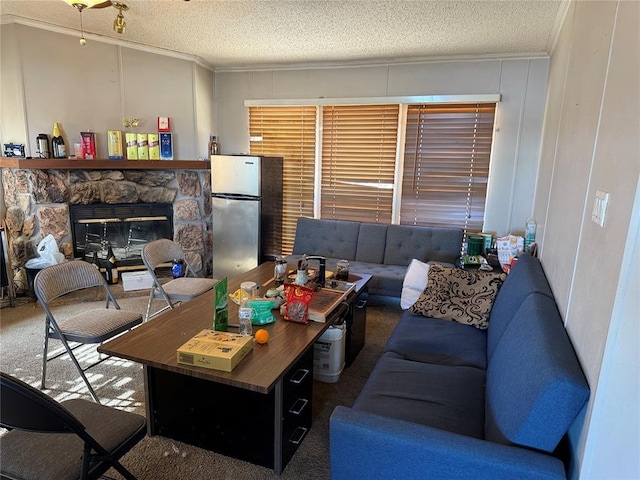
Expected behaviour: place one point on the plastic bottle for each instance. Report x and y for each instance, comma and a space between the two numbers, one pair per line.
244, 318
57, 143
112, 267
529, 233
214, 146
177, 268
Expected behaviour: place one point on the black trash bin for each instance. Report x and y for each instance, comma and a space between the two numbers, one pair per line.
31, 275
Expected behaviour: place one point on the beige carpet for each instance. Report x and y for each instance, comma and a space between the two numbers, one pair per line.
119, 384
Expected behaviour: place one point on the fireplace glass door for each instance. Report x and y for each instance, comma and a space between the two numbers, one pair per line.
126, 228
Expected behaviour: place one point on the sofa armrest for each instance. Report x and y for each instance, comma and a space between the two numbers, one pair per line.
363, 445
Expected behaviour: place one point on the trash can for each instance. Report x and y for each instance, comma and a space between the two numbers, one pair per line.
31, 275
328, 355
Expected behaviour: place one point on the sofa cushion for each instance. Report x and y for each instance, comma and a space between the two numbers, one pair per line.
533, 394
329, 238
437, 341
387, 279
372, 240
440, 396
526, 277
415, 281
459, 295
405, 243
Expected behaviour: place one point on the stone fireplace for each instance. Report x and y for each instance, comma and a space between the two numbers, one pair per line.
39, 202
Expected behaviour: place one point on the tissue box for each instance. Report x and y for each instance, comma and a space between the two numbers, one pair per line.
136, 280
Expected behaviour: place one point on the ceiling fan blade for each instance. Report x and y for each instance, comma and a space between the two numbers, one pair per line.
103, 4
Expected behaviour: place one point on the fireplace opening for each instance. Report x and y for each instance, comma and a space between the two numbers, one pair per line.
124, 227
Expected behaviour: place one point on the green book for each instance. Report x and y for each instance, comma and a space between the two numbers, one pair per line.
220, 312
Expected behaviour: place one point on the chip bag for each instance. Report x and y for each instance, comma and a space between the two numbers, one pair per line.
297, 303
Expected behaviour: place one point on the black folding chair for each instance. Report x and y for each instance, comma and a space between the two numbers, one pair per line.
75, 439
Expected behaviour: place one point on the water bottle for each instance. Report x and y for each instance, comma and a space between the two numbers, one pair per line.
244, 318
529, 233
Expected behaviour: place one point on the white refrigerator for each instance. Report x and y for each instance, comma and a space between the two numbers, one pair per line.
246, 212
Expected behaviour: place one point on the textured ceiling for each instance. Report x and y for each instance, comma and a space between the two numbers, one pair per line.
253, 33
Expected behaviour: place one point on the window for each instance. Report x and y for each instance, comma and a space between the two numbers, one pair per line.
447, 149
358, 162
288, 132
446, 165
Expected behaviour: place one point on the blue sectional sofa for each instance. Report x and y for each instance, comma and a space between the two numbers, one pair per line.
383, 251
449, 401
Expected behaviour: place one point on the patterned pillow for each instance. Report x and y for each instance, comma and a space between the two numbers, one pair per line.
463, 296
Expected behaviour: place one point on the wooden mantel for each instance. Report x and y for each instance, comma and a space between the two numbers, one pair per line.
101, 164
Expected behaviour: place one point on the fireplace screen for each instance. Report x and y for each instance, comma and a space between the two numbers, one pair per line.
124, 227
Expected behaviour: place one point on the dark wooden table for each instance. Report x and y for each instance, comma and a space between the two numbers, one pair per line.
260, 412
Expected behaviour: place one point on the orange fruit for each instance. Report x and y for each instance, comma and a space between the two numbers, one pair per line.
262, 336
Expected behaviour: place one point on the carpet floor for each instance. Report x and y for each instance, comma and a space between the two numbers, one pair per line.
119, 384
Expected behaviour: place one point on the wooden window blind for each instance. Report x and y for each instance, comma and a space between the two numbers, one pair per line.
446, 165
288, 132
358, 162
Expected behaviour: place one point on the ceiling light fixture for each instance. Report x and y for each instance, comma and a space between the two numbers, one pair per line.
80, 5
119, 24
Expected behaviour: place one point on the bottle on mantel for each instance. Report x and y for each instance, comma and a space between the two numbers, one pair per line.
214, 146
57, 143
111, 267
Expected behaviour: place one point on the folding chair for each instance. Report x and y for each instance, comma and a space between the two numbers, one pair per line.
93, 326
75, 439
178, 290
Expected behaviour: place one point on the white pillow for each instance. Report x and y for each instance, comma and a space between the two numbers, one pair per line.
415, 281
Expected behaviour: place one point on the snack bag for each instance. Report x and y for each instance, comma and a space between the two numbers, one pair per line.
297, 306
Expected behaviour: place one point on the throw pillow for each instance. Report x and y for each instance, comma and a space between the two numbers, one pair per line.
463, 296
414, 282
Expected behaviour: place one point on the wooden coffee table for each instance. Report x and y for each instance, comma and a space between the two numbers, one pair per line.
260, 412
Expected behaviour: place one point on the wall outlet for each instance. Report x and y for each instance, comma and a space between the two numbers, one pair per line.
600, 207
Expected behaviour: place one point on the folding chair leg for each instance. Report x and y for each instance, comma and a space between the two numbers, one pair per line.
44, 354
80, 370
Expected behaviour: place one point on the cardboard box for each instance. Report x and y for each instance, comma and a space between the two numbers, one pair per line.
136, 280
215, 350
166, 146
143, 146
154, 147
114, 145
132, 145
88, 145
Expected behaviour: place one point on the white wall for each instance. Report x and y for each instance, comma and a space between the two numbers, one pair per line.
521, 82
591, 143
48, 77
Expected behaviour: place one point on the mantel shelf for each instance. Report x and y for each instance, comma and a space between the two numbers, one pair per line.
101, 164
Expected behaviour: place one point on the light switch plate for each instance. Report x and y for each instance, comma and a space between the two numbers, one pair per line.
600, 207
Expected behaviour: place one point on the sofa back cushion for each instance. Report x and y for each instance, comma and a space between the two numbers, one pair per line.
526, 277
372, 240
535, 386
329, 238
405, 243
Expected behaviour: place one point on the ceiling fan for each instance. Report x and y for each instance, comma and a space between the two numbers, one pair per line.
119, 24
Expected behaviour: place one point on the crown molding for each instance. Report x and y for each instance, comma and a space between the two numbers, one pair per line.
12, 19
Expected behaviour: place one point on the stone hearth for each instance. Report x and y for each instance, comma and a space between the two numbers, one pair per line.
38, 204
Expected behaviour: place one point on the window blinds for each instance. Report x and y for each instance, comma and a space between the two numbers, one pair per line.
358, 162
446, 165
288, 132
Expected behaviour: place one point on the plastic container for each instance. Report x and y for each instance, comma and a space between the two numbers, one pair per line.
328, 355
475, 245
